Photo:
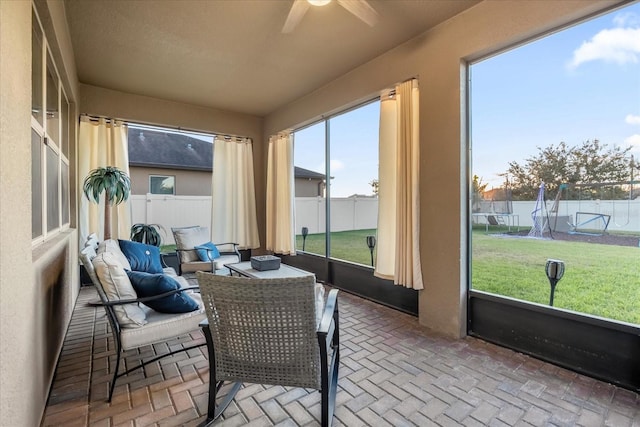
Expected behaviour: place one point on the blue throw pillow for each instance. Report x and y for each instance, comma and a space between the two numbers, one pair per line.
148, 285
207, 252
142, 257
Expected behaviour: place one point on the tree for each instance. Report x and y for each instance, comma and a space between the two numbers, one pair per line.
374, 186
477, 194
589, 163
479, 187
115, 185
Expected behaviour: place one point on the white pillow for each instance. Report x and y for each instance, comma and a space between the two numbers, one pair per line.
189, 238
113, 247
116, 286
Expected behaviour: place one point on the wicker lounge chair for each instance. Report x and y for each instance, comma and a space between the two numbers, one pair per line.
267, 331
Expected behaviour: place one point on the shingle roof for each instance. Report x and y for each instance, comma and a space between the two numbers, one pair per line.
306, 173
149, 148
168, 150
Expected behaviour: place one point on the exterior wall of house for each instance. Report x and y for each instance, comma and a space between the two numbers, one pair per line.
438, 59
38, 284
188, 183
305, 187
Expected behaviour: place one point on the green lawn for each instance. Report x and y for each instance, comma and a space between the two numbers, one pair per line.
345, 245
601, 280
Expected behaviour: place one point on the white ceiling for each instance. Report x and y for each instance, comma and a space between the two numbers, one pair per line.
231, 54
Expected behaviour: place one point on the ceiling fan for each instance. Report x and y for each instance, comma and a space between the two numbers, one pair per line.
360, 8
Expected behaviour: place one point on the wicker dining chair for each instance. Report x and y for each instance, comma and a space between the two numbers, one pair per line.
269, 331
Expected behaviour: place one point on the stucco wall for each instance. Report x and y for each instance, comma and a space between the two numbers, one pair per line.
17, 289
437, 58
305, 187
36, 291
38, 285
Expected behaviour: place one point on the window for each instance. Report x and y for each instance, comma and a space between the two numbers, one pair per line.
350, 140
159, 184
556, 143
50, 192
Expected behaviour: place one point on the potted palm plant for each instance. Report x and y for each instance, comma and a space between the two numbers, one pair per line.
147, 233
116, 186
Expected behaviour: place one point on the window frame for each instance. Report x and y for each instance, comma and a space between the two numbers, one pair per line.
325, 120
52, 141
151, 176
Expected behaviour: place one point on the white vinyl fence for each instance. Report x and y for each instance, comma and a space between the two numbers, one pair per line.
171, 211
348, 213
359, 213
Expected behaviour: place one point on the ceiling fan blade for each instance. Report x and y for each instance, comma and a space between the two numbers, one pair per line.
298, 9
362, 9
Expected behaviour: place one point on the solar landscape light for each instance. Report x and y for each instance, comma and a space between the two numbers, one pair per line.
555, 270
305, 231
371, 244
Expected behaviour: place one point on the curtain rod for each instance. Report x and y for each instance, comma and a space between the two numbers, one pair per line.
152, 126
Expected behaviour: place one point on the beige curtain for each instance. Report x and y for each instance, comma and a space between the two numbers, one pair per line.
280, 195
398, 254
233, 210
102, 142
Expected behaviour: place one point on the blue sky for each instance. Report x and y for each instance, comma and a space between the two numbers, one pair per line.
354, 150
582, 83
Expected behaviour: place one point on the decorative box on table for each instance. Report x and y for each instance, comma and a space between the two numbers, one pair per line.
265, 262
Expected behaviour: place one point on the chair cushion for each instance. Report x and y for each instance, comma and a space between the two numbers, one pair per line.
142, 257
188, 238
116, 286
207, 252
148, 285
162, 326
112, 246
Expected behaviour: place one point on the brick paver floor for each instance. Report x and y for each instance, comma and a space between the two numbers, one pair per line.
393, 372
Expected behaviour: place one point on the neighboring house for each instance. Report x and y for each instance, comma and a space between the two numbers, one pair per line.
169, 163
308, 183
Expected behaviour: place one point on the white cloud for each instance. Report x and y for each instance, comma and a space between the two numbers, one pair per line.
628, 19
336, 165
634, 142
617, 45
632, 120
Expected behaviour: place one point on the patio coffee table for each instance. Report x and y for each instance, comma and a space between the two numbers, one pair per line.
244, 269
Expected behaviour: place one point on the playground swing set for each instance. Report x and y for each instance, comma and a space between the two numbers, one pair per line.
586, 222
